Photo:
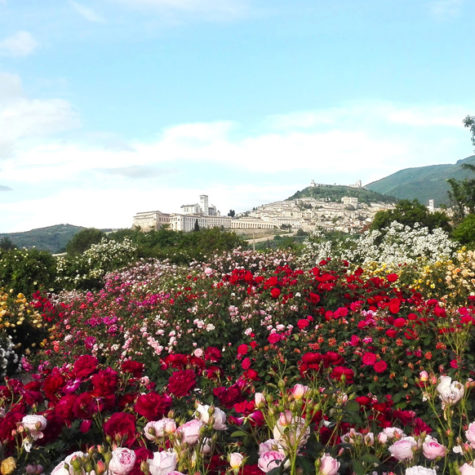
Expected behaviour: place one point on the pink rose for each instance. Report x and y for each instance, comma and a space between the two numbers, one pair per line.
269, 445
467, 469
35, 424
235, 460
418, 470
60, 469
160, 428
299, 390
402, 449
218, 415
470, 434
190, 431
328, 465
162, 463
270, 460
122, 461
432, 449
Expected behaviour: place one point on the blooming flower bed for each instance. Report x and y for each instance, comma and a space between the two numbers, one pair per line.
247, 364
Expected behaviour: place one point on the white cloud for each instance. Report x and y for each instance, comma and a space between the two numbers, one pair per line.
20, 43
86, 12
24, 118
101, 184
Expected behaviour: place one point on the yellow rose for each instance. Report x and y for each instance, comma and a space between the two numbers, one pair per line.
8, 466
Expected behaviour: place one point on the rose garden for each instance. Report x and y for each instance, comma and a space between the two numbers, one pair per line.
351, 359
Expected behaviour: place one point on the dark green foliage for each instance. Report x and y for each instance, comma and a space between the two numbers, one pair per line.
337, 192
27, 270
178, 246
409, 213
83, 240
51, 238
462, 194
465, 231
469, 122
6, 244
423, 183
232, 213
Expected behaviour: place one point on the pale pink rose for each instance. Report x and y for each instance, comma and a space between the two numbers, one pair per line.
122, 461
160, 428
328, 465
403, 449
299, 391
268, 445
468, 469
293, 430
190, 431
270, 460
432, 449
60, 469
470, 434
219, 416
162, 463
35, 424
390, 433
209, 271
450, 392
424, 376
259, 399
198, 352
235, 460
418, 470
351, 437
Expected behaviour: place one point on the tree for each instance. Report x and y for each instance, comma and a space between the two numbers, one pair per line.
232, 213
462, 193
83, 240
197, 226
469, 122
465, 231
6, 244
409, 213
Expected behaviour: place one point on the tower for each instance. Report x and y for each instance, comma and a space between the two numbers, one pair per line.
204, 204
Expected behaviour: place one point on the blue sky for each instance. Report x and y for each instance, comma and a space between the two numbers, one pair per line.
110, 107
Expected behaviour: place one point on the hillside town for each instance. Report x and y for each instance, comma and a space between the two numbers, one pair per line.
347, 215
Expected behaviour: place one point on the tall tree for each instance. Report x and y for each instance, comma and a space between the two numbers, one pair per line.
469, 122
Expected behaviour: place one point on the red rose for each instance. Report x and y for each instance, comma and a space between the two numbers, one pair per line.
212, 354
380, 366
369, 358
52, 384
64, 408
121, 426
84, 406
181, 383
104, 382
84, 366
394, 305
133, 367
153, 406
341, 371
399, 322
275, 292
392, 277
303, 323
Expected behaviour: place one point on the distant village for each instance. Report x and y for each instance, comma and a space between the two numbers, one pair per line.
348, 215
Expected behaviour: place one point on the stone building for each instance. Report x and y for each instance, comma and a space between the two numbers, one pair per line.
150, 220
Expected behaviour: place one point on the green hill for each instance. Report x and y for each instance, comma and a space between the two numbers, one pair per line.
336, 193
51, 238
423, 183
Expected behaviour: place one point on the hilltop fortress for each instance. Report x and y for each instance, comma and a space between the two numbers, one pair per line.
347, 215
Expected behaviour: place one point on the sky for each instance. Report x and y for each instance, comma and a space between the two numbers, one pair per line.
111, 107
